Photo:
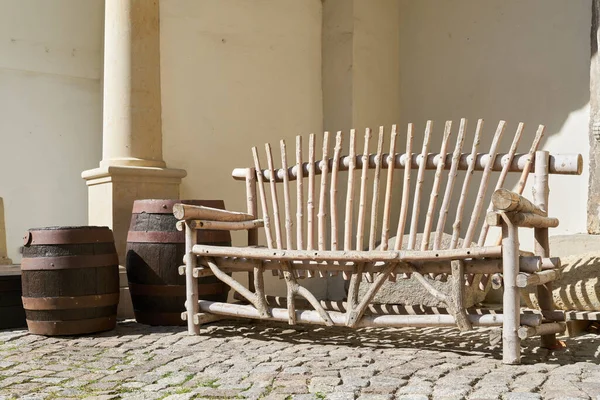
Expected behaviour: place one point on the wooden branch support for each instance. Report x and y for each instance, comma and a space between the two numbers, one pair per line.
507, 201
341, 256
477, 266
523, 220
528, 220
235, 285
225, 225
457, 305
339, 319
354, 315
511, 345
560, 164
544, 329
187, 211
204, 318
497, 281
538, 278
191, 283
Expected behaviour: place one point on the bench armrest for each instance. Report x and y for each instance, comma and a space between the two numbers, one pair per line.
188, 212
522, 219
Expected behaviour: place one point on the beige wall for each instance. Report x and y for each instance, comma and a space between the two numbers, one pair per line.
50, 111
236, 74
514, 60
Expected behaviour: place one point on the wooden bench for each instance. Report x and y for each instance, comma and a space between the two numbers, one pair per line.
299, 217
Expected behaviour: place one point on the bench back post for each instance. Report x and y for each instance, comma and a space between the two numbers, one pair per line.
541, 243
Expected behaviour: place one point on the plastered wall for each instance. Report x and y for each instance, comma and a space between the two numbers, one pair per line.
50, 111
236, 74
514, 60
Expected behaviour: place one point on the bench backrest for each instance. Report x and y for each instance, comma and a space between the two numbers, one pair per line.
312, 224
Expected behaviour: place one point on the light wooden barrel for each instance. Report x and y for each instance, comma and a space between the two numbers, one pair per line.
70, 280
155, 250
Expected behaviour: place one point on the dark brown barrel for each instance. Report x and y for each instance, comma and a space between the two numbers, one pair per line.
12, 314
70, 280
155, 250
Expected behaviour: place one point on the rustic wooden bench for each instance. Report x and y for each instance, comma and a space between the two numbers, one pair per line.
312, 243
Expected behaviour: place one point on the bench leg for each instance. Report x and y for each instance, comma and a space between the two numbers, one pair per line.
511, 344
191, 283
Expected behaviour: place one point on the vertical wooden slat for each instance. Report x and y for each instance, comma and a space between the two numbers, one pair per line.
485, 178
483, 185
323, 193
263, 199
299, 195
360, 229
289, 238
456, 227
505, 167
436, 187
414, 222
439, 231
375, 198
333, 190
348, 217
348, 220
274, 200
405, 189
534, 146
252, 209
310, 244
387, 202
310, 205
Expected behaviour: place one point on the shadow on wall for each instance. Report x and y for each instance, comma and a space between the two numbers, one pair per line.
510, 60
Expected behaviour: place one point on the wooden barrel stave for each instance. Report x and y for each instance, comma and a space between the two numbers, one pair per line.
155, 249
66, 289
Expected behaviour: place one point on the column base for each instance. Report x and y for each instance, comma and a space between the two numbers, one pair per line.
5, 261
111, 193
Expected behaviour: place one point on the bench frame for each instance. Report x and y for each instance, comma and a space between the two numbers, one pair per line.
510, 211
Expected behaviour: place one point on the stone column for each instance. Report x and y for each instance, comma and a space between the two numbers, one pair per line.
4, 260
132, 166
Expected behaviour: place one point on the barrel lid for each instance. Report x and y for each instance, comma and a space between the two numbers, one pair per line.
157, 206
68, 235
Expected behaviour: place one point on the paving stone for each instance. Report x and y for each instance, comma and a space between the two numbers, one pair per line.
521, 396
256, 360
341, 396
183, 396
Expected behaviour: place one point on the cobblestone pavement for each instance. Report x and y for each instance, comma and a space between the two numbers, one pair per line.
257, 360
